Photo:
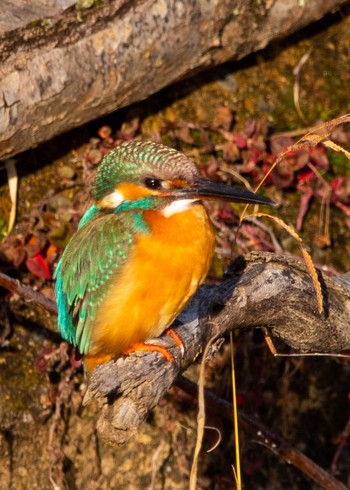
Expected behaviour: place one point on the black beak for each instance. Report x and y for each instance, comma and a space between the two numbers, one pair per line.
206, 189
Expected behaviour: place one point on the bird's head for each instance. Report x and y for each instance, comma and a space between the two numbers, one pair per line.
154, 176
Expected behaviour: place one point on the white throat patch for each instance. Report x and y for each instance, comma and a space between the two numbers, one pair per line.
177, 207
112, 200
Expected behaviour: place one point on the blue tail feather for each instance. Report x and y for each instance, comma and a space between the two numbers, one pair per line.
65, 324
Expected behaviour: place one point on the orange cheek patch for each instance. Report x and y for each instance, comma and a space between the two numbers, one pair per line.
131, 192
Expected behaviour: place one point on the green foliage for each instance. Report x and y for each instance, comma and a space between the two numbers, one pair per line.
339, 163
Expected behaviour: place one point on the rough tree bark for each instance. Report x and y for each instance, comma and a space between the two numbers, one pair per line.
75, 65
262, 290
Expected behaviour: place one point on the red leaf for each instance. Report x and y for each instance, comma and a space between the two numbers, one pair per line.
240, 140
283, 175
37, 266
306, 176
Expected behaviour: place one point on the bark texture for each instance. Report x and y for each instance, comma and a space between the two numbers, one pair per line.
62, 68
263, 290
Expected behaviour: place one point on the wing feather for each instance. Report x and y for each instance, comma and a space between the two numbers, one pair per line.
96, 251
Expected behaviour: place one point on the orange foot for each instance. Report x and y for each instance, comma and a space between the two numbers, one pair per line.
140, 346
176, 338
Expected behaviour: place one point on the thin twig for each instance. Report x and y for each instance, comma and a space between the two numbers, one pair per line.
296, 87
200, 419
344, 437
27, 293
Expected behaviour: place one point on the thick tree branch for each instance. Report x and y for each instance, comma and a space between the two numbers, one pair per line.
261, 290
78, 64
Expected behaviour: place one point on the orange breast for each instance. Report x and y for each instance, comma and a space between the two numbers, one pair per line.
163, 272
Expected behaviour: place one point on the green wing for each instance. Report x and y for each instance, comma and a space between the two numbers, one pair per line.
94, 253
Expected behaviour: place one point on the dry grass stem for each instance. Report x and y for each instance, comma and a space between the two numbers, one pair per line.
200, 419
305, 253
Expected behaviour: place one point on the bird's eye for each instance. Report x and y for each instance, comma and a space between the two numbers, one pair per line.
152, 183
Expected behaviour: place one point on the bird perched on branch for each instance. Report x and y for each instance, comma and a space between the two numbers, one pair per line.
140, 253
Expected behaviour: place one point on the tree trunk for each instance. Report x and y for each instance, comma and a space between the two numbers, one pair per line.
72, 66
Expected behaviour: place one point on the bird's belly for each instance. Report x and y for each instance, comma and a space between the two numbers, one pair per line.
162, 273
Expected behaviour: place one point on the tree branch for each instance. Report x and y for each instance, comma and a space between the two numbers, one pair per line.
261, 290
26, 292
80, 63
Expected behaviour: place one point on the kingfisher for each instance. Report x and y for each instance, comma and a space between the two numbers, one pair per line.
140, 251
